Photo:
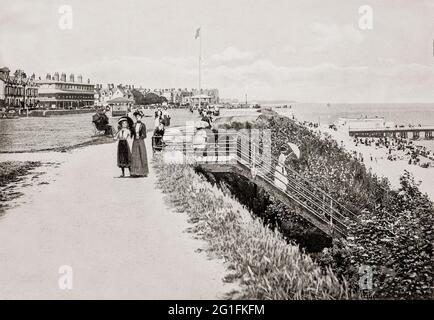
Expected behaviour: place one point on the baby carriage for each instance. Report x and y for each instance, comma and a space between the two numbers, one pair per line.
101, 122
157, 143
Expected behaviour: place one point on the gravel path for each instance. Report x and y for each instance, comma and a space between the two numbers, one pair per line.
118, 236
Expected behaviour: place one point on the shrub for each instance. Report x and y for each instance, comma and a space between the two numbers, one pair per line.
268, 268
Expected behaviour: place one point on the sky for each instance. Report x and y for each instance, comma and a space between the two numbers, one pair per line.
302, 50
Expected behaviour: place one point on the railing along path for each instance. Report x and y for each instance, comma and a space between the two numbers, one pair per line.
239, 151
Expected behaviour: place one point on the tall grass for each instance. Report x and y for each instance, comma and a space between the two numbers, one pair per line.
267, 267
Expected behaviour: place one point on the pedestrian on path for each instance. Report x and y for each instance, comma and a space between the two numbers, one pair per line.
124, 152
157, 138
158, 117
139, 160
280, 173
165, 117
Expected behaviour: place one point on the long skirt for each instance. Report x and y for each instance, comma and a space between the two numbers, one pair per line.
280, 178
139, 160
124, 154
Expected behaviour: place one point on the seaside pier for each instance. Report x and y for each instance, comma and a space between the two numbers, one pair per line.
413, 132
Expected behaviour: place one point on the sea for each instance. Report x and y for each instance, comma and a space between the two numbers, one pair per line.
35, 133
399, 113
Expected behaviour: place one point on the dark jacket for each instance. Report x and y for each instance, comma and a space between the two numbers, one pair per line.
142, 131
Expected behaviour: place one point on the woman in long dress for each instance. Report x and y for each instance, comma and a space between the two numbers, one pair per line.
158, 117
139, 160
280, 173
166, 117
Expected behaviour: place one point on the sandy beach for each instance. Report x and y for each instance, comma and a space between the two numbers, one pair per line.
379, 165
119, 237
383, 167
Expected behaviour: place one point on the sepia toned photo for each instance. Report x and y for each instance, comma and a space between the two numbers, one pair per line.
216, 151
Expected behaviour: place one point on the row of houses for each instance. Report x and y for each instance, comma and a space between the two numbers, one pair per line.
179, 97
17, 89
62, 91
57, 91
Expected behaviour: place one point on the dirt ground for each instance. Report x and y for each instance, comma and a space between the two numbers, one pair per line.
100, 236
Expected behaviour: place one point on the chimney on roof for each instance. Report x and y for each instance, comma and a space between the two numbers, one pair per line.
88, 81
63, 77
48, 76
71, 77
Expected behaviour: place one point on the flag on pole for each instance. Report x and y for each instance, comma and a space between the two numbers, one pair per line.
197, 33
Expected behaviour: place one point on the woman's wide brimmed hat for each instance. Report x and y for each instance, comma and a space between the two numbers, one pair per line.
138, 112
127, 119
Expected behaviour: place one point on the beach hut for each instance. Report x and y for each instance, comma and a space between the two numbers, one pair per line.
120, 106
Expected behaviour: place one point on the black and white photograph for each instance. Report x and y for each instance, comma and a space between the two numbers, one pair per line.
224, 151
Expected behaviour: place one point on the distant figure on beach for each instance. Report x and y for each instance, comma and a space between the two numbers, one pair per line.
139, 160
124, 152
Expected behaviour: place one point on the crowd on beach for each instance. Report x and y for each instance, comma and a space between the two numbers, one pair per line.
399, 149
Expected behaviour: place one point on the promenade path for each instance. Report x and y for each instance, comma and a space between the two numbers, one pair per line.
119, 237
